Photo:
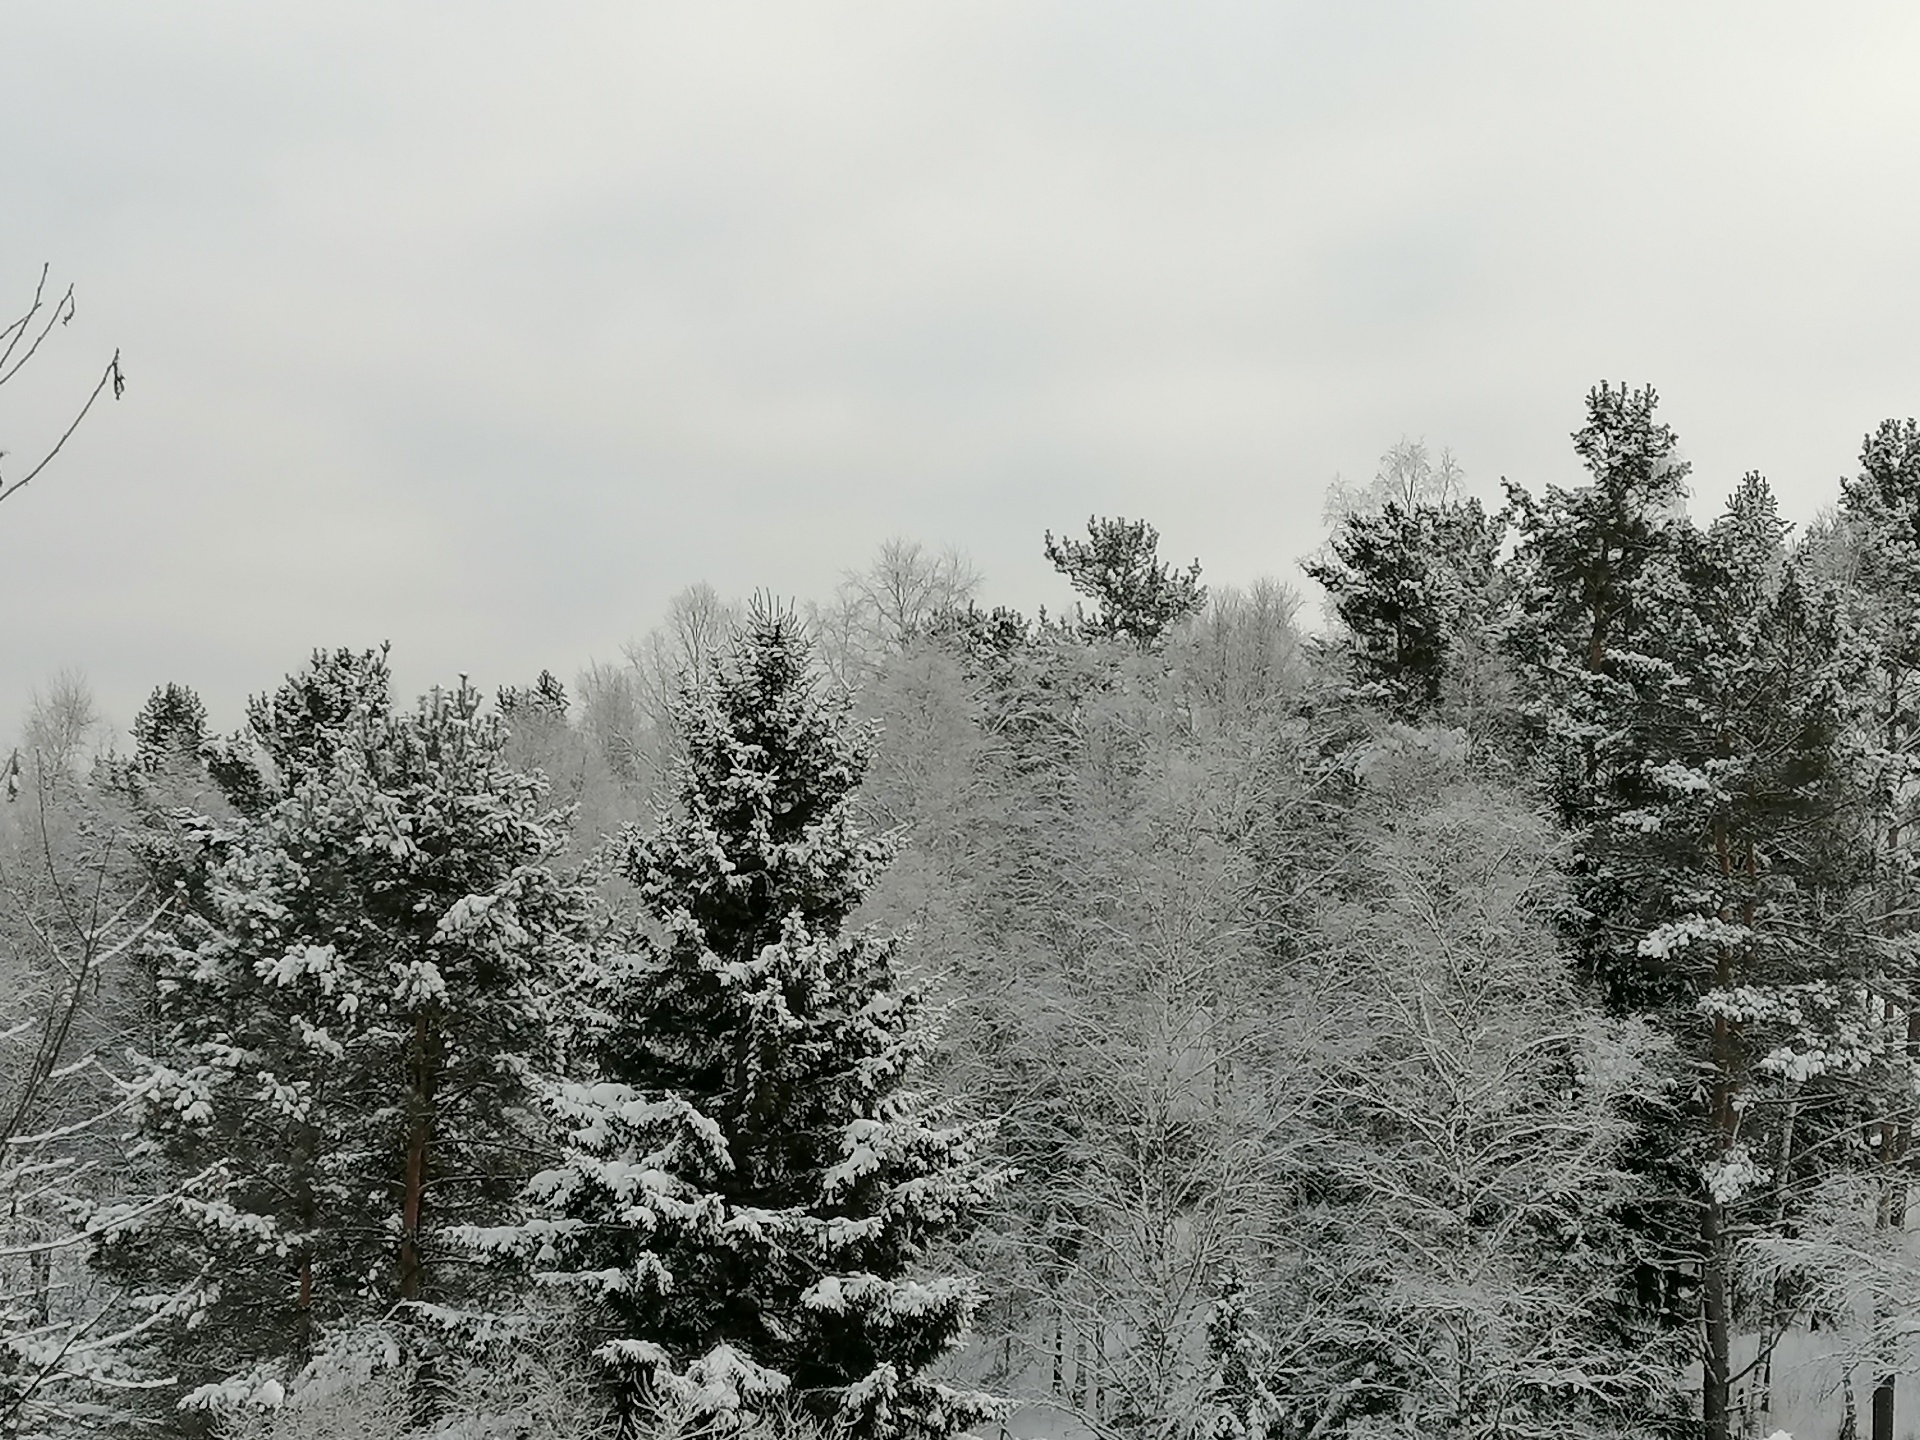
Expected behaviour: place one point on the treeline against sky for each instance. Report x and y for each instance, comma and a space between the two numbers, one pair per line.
1495, 1016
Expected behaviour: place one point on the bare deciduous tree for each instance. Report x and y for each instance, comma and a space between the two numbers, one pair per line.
20, 341
72, 910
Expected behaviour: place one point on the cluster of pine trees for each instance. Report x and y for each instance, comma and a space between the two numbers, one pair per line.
1495, 1017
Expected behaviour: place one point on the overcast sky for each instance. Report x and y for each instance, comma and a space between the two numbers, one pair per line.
486, 328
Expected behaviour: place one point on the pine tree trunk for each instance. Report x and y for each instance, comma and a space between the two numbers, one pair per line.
1779, 1311
1894, 1216
423, 1074
1715, 1251
419, 1136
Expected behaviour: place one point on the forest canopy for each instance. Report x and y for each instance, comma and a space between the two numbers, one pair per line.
1491, 1014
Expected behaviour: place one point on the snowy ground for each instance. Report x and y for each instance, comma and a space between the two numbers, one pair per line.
1806, 1395
1807, 1401
1043, 1422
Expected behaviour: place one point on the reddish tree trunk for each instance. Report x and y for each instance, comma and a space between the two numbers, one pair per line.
419, 1136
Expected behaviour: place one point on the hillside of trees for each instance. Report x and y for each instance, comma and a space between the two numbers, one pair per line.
1493, 1015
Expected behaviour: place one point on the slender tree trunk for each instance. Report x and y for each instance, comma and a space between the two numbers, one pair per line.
419, 1137
423, 1073
1716, 1353
303, 1317
1716, 1299
42, 1309
1058, 1390
1896, 1219
1896, 1139
1881, 1411
1778, 1312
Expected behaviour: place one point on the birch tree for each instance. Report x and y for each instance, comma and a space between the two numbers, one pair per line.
74, 906
1478, 1120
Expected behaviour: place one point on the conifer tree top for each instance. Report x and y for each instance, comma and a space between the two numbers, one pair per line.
761, 830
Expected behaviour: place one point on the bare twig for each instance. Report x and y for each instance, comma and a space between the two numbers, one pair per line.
111, 376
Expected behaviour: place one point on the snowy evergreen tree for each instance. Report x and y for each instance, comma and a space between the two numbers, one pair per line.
1240, 1405
1593, 579
170, 729
1414, 586
1701, 764
1118, 567
350, 1002
545, 700
1870, 550
752, 1182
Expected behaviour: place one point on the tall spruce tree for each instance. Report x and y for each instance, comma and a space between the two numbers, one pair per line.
752, 1181
350, 1001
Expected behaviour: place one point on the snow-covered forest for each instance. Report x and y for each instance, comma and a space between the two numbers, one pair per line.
1487, 1013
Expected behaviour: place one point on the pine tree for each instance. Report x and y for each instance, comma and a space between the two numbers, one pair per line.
1118, 567
544, 700
1711, 872
1414, 586
1872, 550
752, 1182
1593, 579
349, 1008
170, 729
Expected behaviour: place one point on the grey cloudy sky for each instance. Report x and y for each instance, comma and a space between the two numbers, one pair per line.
487, 327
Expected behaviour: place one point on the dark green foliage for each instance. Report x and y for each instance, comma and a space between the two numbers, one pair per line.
984, 636
1118, 567
347, 1012
1408, 582
1687, 690
751, 1183
1890, 462
1242, 1405
1592, 560
169, 729
545, 699
315, 711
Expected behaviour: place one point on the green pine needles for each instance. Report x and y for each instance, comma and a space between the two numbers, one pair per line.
350, 997
751, 1184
